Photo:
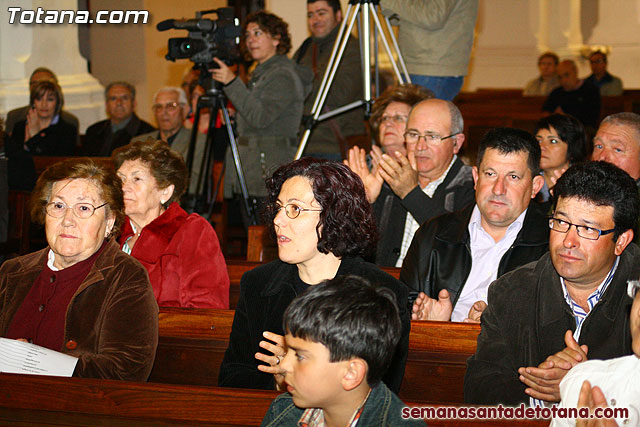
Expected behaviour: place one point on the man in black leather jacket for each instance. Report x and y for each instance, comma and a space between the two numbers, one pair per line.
453, 258
570, 305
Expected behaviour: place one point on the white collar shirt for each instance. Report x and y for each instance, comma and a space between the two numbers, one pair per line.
486, 254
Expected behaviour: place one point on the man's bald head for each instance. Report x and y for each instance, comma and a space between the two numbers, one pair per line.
568, 74
435, 117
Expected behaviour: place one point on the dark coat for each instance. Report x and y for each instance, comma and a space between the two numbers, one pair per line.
455, 192
112, 317
525, 322
55, 140
265, 293
182, 254
440, 254
100, 141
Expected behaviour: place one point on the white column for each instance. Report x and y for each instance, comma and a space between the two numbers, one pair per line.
574, 35
543, 26
24, 47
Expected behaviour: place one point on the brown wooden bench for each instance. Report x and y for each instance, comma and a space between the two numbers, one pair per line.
192, 343
487, 108
38, 400
437, 361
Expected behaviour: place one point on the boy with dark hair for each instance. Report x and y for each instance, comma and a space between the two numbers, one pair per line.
340, 338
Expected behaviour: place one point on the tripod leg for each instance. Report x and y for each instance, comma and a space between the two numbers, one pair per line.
332, 67
238, 164
366, 71
332, 60
395, 46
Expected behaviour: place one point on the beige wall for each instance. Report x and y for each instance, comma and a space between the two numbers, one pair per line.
136, 52
504, 55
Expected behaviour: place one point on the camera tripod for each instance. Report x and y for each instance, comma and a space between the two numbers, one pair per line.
363, 11
215, 100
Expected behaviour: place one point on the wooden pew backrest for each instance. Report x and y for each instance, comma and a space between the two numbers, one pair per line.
436, 363
192, 343
38, 400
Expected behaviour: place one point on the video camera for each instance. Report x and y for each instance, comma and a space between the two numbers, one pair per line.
208, 38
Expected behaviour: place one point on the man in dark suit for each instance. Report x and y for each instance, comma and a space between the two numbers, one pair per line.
123, 124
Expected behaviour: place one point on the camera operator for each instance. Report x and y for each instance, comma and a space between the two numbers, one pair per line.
269, 107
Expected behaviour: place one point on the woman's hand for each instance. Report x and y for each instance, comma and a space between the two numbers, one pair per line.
357, 162
276, 346
33, 126
223, 74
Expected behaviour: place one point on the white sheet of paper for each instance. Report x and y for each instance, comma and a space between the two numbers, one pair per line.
17, 357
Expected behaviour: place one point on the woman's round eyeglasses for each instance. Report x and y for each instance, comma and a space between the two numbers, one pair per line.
291, 210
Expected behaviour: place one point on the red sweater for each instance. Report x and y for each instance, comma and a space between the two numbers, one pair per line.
182, 254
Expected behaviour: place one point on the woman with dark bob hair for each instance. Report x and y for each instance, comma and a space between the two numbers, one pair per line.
563, 143
81, 295
323, 225
43, 133
181, 252
269, 106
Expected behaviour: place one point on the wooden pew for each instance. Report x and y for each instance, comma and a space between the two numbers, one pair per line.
437, 361
38, 400
31, 400
19, 221
192, 343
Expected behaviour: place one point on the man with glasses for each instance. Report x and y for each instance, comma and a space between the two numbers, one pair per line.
570, 305
170, 108
103, 137
454, 258
608, 84
429, 181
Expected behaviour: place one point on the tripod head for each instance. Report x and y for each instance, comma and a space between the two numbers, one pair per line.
374, 2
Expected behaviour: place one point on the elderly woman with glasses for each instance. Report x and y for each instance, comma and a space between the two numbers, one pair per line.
181, 252
323, 225
82, 295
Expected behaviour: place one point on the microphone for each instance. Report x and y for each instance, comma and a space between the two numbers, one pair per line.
166, 25
187, 24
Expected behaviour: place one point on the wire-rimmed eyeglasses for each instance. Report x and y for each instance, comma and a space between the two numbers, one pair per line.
81, 210
169, 106
291, 210
398, 119
584, 231
413, 137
